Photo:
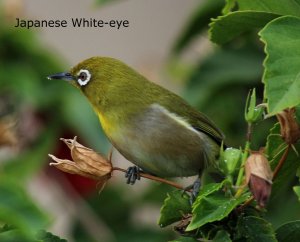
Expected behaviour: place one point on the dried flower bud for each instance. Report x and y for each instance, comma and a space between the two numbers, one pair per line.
86, 162
259, 177
8, 135
290, 130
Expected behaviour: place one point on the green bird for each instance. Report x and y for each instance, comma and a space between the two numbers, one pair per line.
150, 126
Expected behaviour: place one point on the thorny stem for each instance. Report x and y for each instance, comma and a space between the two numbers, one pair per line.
154, 178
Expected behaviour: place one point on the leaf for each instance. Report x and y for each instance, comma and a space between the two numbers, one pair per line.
32, 160
227, 27
256, 229
230, 160
198, 22
222, 236
289, 232
282, 7
175, 206
18, 210
48, 237
274, 149
213, 207
185, 239
282, 74
206, 81
102, 2
297, 191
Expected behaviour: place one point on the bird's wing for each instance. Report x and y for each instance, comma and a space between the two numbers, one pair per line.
196, 119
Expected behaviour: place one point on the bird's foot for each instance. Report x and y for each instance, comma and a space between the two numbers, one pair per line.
195, 188
132, 174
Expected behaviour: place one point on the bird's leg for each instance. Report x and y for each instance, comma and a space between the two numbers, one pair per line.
194, 189
132, 174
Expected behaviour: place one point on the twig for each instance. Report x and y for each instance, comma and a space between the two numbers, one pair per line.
281, 162
155, 178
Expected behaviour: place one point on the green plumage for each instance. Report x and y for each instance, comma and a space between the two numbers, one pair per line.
151, 126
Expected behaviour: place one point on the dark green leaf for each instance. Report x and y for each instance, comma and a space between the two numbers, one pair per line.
32, 160
213, 207
18, 210
222, 236
175, 206
289, 232
198, 22
281, 76
256, 229
274, 149
185, 239
282, 7
219, 70
229, 26
45, 236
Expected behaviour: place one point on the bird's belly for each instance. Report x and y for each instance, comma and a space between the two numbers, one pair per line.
164, 147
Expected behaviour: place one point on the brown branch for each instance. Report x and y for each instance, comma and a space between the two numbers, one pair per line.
155, 178
281, 162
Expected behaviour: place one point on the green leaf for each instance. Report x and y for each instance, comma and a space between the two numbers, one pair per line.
222, 236
289, 232
227, 27
256, 229
282, 7
32, 160
297, 191
274, 149
207, 190
213, 207
185, 239
175, 206
230, 160
198, 22
253, 113
206, 81
102, 2
18, 210
281, 76
48, 237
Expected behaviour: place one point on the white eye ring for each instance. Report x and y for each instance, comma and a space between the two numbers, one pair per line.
84, 77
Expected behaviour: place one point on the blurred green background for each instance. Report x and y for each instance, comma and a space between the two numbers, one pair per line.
166, 41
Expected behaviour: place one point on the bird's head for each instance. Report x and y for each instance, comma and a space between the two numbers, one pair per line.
89, 72
104, 80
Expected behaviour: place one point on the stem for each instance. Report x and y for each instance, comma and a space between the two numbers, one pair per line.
281, 162
245, 156
154, 178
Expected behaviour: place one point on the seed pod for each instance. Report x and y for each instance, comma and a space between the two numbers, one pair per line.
259, 177
86, 162
289, 128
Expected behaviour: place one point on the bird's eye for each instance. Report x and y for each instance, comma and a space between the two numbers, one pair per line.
84, 77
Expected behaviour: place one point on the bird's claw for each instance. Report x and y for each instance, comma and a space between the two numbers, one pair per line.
195, 188
132, 174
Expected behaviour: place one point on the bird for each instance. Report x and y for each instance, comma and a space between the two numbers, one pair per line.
152, 127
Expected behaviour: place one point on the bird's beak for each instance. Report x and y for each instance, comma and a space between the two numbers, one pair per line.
62, 76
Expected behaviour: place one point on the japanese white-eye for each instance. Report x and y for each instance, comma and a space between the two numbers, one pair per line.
150, 126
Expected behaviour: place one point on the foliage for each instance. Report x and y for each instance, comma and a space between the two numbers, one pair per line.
226, 212
258, 49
